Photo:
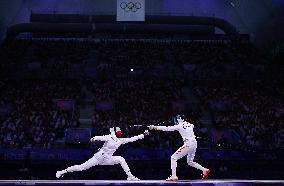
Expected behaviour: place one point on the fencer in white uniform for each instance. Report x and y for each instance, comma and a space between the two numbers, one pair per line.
105, 155
189, 148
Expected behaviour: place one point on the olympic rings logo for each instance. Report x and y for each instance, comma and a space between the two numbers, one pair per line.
130, 6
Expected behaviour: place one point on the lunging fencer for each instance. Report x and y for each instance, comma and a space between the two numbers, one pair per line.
189, 148
105, 155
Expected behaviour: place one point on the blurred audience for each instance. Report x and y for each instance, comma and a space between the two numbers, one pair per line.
30, 116
142, 83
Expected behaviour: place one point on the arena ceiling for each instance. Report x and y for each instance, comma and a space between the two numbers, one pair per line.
263, 19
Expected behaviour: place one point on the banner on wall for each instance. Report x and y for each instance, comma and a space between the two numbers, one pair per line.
130, 10
65, 104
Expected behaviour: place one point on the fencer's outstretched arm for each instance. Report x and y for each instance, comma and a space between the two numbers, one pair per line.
99, 138
163, 128
134, 138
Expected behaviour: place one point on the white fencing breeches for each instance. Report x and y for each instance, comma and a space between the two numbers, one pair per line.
188, 150
84, 166
118, 160
101, 160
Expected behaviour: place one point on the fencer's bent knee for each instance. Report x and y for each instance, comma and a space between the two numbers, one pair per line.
173, 158
120, 159
190, 162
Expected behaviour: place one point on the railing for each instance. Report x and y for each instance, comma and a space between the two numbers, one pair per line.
84, 12
142, 153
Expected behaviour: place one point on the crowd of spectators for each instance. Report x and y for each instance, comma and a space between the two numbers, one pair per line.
137, 97
136, 53
55, 56
252, 109
143, 99
137, 101
240, 88
30, 116
218, 59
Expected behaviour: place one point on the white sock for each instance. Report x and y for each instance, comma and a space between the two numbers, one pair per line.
73, 168
198, 166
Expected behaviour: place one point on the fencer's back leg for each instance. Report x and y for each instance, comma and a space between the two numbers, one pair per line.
190, 162
84, 166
